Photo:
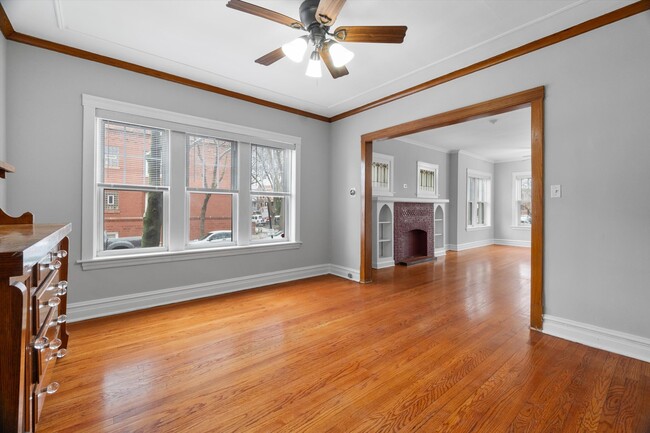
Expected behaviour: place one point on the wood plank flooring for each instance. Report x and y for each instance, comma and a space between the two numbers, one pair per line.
436, 347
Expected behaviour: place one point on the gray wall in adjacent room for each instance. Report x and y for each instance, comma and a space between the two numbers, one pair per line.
406, 157
45, 132
3, 119
465, 235
597, 146
503, 201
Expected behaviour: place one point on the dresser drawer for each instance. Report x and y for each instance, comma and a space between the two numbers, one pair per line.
44, 386
51, 262
49, 294
51, 348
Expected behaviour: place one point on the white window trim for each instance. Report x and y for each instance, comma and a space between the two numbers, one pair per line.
388, 159
488, 211
515, 208
429, 167
168, 119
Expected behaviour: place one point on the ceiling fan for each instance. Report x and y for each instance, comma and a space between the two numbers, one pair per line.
316, 18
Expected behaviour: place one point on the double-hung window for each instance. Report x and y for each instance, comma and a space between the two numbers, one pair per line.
427, 180
162, 183
140, 184
522, 199
270, 192
211, 189
382, 174
479, 186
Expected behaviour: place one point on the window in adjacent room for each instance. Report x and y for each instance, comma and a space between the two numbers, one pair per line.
479, 186
427, 180
522, 199
382, 174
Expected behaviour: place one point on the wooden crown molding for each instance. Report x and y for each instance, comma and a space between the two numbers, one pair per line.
579, 29
10, 34
625, 12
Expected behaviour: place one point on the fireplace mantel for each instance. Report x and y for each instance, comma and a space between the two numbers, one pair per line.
387, 199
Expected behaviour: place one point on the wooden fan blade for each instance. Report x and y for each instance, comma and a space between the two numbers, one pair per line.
271, 57
264, 13
377, 34
328, 10
327, 58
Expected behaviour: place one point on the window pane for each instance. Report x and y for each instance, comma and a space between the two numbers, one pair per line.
268, 218
130, 214
269, 169
525, 188
480, 219
210, 219
525, 214
380, 175
134, 155
470, 213
210, 163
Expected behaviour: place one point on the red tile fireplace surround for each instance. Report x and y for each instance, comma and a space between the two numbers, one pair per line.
413, 234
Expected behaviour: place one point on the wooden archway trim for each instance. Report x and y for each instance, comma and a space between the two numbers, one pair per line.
533, 98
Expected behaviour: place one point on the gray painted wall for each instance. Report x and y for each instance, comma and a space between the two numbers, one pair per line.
45, 132
465, 235
597, 145
3, 118
503, 190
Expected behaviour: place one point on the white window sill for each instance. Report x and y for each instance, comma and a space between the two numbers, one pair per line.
177, 256
426, 195
520, 227
477, 228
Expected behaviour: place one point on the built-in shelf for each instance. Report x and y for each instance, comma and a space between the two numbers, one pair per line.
385, 222
5, 167
438, 219
385, 240
437, 234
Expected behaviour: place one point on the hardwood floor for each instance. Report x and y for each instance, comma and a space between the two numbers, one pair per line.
437, 347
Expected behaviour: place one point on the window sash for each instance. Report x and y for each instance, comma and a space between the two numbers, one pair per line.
478, 200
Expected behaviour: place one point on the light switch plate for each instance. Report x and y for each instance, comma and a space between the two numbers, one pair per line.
556, 191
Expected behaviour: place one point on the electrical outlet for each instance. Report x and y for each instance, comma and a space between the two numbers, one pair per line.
556, 191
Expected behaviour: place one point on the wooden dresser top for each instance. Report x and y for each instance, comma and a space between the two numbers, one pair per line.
22, 245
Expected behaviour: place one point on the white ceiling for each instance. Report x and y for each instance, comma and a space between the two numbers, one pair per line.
505, 137
205, 41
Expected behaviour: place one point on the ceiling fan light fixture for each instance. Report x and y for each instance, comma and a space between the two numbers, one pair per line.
295, 50
314, 69
341, 56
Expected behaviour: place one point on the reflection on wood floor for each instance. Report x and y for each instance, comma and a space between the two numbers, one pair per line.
436, 347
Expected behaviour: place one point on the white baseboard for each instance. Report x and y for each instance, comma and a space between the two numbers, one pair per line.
383, 264
440, 252
512, 243
601, 338
470, 245
121, 304
344, 272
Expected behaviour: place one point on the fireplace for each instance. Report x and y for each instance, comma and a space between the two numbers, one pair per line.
413, 233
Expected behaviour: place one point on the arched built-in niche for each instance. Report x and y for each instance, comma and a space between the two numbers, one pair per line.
383, 235
439, 230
